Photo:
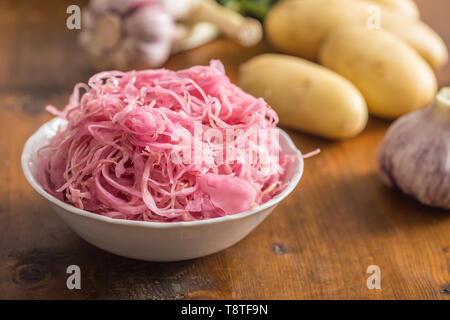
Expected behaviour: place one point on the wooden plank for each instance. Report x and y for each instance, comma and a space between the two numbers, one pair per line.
316, 245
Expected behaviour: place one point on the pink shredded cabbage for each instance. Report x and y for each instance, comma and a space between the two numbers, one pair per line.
115, 155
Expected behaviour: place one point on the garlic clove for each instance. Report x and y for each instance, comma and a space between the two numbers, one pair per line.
150, 24
108, 32
125, 34
121, 58
152, 55
414, 156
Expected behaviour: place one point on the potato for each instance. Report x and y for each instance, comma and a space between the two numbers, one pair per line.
419, 36
299, 27
406, 7
305, 95
392, 77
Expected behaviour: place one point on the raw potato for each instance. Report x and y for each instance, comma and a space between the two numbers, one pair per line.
299, 27
392, 77
306, 96
406, 7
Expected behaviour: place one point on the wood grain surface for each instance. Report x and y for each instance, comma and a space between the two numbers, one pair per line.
316, 245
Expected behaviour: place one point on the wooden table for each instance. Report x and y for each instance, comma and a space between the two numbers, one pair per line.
316, 245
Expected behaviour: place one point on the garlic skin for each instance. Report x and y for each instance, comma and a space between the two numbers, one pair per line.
179, 9
135, 34
415, 153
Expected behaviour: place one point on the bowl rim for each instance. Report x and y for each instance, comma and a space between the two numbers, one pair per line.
90, 215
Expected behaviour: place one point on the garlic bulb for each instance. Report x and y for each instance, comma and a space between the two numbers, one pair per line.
127, 33
415, 153
124, 34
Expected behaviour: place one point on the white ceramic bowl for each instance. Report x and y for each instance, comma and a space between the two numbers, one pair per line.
156, 241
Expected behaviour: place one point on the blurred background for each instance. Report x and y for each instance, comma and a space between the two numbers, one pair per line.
318, 243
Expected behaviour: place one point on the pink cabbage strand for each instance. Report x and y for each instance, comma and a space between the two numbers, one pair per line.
115, 155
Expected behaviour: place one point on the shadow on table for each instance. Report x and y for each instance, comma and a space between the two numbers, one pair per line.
381, 208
